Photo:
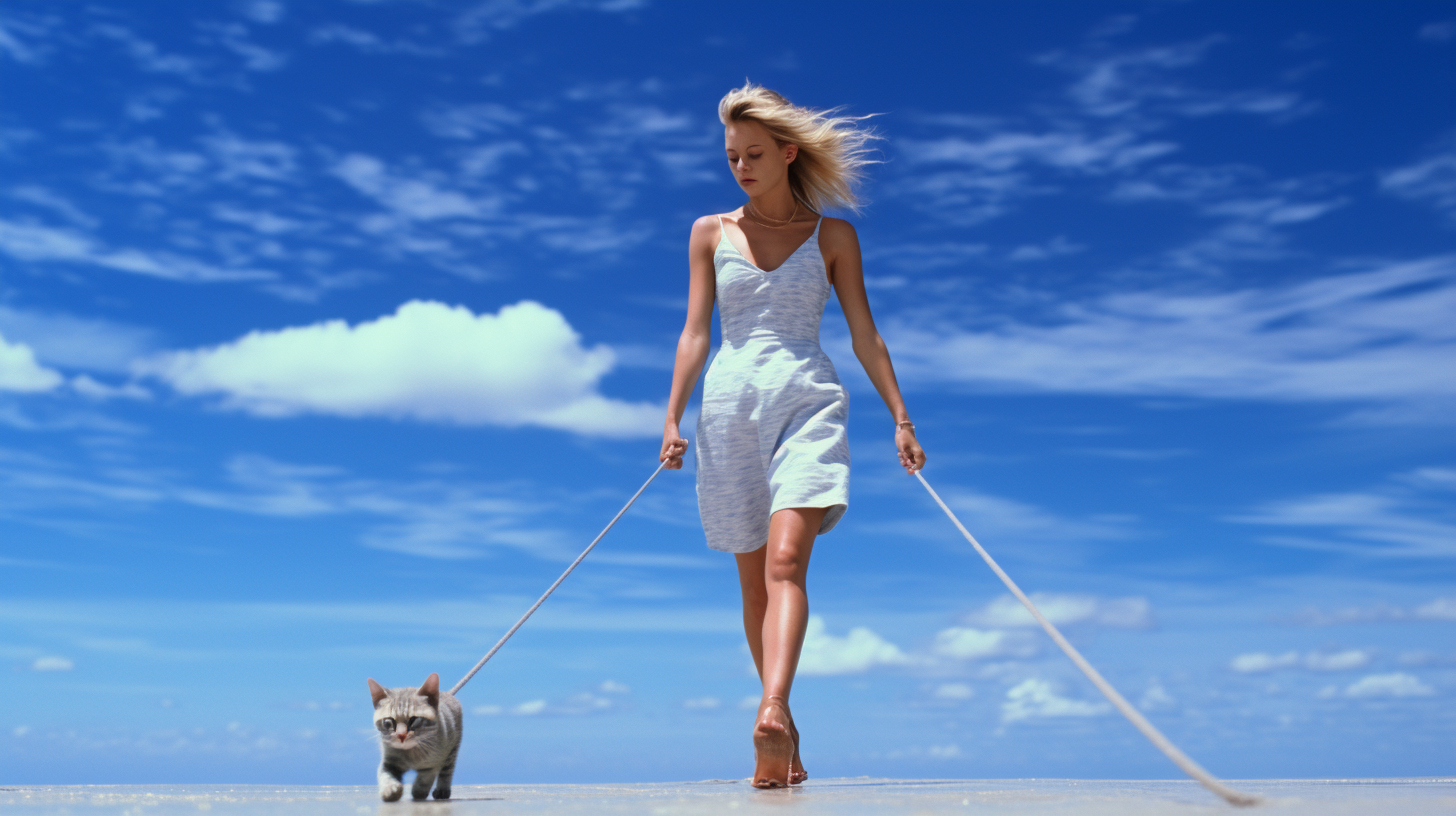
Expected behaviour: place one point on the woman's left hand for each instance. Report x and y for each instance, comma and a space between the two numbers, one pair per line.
912, 457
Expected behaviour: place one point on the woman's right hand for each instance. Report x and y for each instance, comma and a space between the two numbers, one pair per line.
673, 448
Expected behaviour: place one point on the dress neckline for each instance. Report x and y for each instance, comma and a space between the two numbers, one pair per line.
723, 232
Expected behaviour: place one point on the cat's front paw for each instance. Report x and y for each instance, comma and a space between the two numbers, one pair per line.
442, 793
391, 791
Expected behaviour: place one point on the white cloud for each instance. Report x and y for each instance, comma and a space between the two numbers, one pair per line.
1337, 661
1407, 518
371, 43
943, 751
61, 339
13, 46
146, 55
470, 122
263, 11
529, 708
1382, 336
524, 365
860, 650
1439, 609
1440, 31
968, 644
702, 703
447, 518
31, 242
1051, 249
1000, 521
1136, 84
52, 664
480, 21
1064, 609
1004, 151
415, 199
954, 691
250, 159
234, 37
19, 370
1035, 698
1255, 662
1395, 684
90, 388
1155, 697
1432, 178
1259, 662
575, 705
44, 198
613, 687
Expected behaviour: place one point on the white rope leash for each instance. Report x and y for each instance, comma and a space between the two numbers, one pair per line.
1182, 760
542, 599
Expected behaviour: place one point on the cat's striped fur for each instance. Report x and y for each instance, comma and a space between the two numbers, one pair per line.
419, 730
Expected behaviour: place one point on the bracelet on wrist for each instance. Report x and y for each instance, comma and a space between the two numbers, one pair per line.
905, 423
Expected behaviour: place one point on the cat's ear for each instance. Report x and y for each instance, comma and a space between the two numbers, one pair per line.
377, 692
430, 689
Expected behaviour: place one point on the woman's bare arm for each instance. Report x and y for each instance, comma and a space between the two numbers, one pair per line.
696, 339
846, 270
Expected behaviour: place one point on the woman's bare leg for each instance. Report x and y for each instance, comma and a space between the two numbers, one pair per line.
776, 605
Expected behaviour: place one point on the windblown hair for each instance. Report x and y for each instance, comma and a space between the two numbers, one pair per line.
833, 150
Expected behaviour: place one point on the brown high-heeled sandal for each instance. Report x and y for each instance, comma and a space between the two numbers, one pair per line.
772, 744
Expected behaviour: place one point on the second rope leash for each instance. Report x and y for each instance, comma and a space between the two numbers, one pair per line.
1182, 760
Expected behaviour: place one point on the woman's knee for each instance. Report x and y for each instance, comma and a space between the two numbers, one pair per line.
786, 562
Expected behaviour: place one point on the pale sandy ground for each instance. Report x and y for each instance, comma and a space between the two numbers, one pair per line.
830, 797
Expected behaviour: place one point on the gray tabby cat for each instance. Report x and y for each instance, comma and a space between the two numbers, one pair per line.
419, 730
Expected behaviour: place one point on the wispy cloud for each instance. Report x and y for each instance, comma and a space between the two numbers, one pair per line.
435, 518
483, 20
1431, 179
33, 242
1375, 686
1440, 609
1439, 31
71, 341
1260, 662
1381, 337
1143, 82
1409, 517
1066, 609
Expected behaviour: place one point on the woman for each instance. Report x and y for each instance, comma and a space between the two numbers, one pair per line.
772, 453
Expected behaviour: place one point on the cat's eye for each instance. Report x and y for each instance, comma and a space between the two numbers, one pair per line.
386, 724
416, 723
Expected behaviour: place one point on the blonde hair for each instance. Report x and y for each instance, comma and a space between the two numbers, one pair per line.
833, 150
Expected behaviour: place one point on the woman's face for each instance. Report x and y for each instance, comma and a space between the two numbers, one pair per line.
758, 163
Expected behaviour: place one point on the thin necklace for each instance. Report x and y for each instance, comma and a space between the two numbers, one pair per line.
760, 218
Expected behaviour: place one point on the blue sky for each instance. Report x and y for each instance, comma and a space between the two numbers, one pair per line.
330, 332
